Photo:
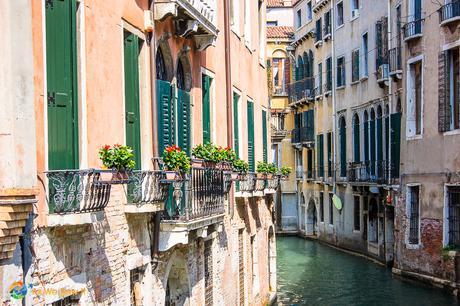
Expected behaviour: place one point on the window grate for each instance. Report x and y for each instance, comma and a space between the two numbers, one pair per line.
453, 198
414, 215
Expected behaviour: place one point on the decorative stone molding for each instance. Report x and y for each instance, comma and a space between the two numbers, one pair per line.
185, 27
204, 41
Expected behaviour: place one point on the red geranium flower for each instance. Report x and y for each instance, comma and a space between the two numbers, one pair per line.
106, 147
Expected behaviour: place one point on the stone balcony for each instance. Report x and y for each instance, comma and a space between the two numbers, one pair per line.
197, 18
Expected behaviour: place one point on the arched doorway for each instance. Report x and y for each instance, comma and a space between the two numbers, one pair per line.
312, 219
271, 259
177, 291
373, 233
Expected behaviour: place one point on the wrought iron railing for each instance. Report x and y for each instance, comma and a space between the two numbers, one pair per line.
302, 89
260, 184
249, 183
273, 183
295, 135
307, 134
147, 187
369, 171
449, 11
395, 59
77, 191
412, 28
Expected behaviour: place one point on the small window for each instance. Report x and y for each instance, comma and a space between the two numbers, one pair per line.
329, 74
413, 214
414, 109
321, 206
453, 215
339, 14
331, 210
341, 71
299, 19
309, 12
136, 278
357, 214
354, 8
355, 66
272, 23
365, 52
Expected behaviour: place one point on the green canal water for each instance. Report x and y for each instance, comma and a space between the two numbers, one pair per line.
310, 273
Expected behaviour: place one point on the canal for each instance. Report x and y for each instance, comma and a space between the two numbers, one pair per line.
310, 273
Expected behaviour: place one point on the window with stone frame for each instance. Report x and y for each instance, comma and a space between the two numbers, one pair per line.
341, 71
331, 209
355, 65
449, 93
339, 15
453, 215
413, 213
414, 101
357, 213
309, 11
321, 206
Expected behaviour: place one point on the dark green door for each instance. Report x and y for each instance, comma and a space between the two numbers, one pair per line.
206, 95
61, 84
165, 103
183, 119
264, 135
395, 143
251, 155
132, 113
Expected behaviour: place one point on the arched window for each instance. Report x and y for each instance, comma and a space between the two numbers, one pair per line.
161, 66
366, 138
299, 69
372, 142
180, 76
356, 138
343, 147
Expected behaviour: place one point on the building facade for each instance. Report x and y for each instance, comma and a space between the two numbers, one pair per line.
146, 74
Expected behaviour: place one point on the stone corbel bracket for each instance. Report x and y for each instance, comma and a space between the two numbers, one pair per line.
185, 27
204, 41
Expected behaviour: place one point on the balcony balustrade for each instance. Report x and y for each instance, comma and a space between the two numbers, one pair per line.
307, 134
146, 191
272, 184
277, 133
295, 136
395, 61
413, 29
375, 172
449, 12
302, 90
248, 184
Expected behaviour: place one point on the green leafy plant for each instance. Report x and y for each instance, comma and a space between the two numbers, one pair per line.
117, 157
445, 250
266, 168
240, 166
271, 168
285, 171
176, 160
202, 151
212, 153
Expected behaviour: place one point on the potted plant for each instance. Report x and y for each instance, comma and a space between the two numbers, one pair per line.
240, 169
262, 170
118, 158
285, 172
271, 170
200, 153
176, 162
227, 157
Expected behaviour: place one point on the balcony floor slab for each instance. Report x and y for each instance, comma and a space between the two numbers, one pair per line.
144, 208
75, 219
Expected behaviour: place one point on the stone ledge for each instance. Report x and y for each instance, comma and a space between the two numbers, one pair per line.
144, 208
75, 219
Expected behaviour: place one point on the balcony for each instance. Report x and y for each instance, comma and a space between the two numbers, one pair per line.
147, 191
306, 135
77, 197
196, 203
327, 31
247, 186
302, 91
279, 90
412, 30
295, 136
319, 4
449, 13
191, 17
395, 62
369, 172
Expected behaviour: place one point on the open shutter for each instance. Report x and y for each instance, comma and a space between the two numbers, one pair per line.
264, 135
165, 115
251, 154
236, 129
343, 151
183, 104
62, 106
395, 120
132, 113
444, 112
205, 86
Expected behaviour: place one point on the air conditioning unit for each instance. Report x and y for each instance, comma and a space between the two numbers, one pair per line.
354, 13
148, 21
384, 71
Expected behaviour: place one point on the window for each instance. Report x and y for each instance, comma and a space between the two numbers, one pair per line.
299, 164
453, 79
67, 301
279, 83
309, 12
247, 23
272, 23
329, 154
319, 30
327, 23
413, 210
365, 52
321, 206
320, 158
343, 146
339, 14
341, 71
298, 20
320, 79
136, 278
354, 8
331, 209
236, 129
206, 107
329, 74
453, 213
355, 66
356, 214
356, 139
234, 15
414, 107
264, 136
250, 118
310, 164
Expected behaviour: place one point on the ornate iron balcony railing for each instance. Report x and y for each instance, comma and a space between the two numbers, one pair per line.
77, 191
301, 90
449, 11
369, 171
147, 187
395, 59
412, 29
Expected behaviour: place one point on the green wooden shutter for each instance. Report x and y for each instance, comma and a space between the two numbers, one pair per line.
310, 163
61, 78
183, 114
366, 141
264, 135
329, 154
372, 141
205, 86
236, 129
395, 143
356, 142
251, 155
132, 112
320, 157
379, 141
165, 113
343, 151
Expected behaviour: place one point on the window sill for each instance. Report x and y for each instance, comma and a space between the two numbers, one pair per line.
410, 246
354, 18
246, 43
340, 26
341, 87
415, 137
355, 82
452, 132
235, 31
364, 78
356, 231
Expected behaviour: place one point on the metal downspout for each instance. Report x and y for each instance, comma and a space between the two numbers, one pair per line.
334, 108
153, 104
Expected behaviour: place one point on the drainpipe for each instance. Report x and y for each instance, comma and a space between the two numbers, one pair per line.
334, 108
228, 87
390, 90
153, 88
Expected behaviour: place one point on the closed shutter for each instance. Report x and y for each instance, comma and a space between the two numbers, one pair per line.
61, 63
320, 152
329, 154
251, 154
264, 135
378, 45
444, 112
356, 142
206, 96
395, 121
366, 141
387, 137
236, 129
343, 151
372, 144
165, 112
132, 118
183, 117
379, 141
